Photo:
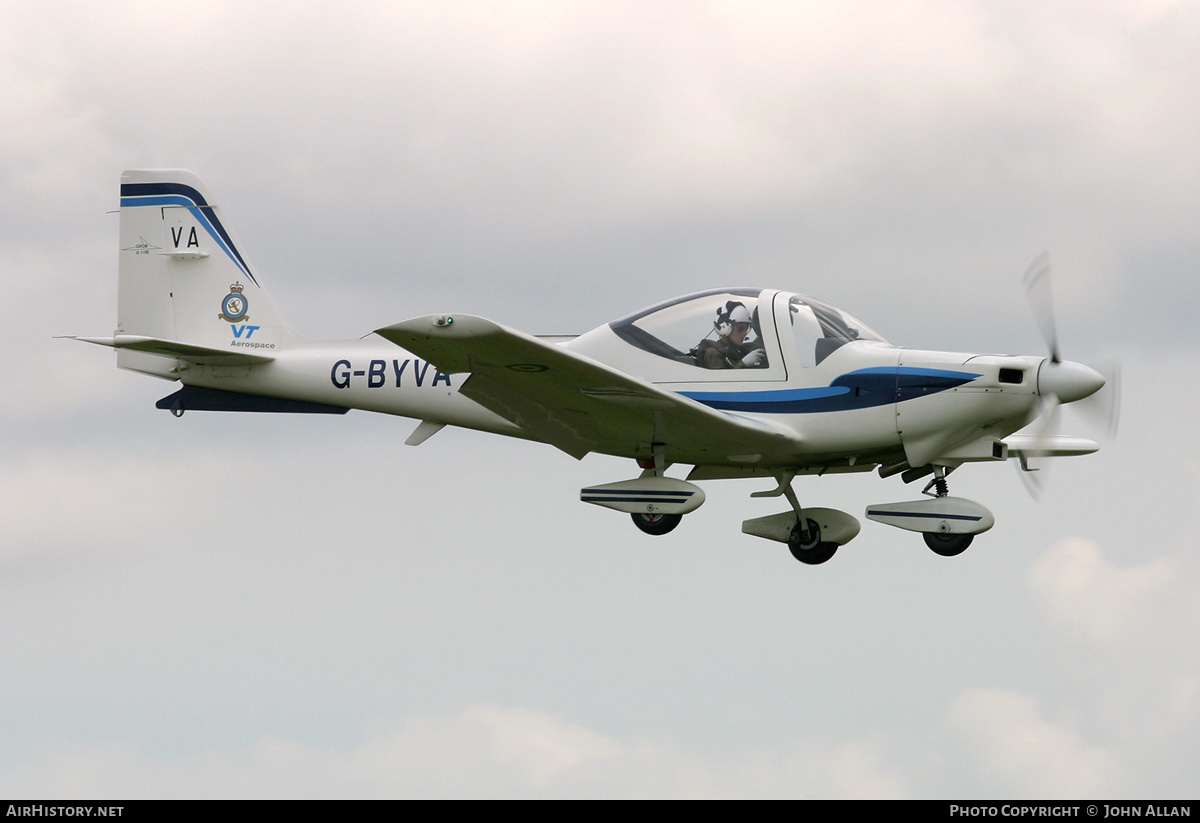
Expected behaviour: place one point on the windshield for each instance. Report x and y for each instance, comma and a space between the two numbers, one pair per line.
820, 329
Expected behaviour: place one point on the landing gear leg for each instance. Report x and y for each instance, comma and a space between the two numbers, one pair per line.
944, 544
939, 485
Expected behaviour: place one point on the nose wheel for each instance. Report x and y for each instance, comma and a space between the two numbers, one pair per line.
944, 543
948, 545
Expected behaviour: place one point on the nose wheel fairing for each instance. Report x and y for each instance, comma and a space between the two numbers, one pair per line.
948, 524
937, 515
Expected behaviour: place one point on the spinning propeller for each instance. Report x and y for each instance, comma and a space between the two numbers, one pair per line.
1062, 381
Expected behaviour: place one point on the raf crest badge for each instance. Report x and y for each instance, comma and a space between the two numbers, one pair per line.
234, 306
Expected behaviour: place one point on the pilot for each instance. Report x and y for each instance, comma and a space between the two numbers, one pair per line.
730, 350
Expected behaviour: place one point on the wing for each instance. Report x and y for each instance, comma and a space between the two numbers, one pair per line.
579, 404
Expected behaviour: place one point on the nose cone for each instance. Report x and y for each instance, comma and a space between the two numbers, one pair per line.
1068, 381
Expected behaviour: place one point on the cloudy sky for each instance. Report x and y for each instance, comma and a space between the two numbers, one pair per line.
246, 605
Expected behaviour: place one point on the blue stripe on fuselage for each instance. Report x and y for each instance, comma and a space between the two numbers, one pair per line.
860, 389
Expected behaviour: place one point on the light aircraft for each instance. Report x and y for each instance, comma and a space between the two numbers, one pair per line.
734, 382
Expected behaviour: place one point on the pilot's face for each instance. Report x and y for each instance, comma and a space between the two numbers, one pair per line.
740, 330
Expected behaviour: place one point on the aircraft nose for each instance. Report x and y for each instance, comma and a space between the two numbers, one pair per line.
1068, 381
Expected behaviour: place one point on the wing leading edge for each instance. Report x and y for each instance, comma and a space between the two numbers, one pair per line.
578, 404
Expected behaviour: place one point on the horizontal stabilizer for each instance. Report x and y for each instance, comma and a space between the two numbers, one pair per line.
203, 355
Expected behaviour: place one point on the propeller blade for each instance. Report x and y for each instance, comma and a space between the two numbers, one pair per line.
1032, 481
1096, 391
1031, 469
1041, 301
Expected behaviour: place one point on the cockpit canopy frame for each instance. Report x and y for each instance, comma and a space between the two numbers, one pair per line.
674, 330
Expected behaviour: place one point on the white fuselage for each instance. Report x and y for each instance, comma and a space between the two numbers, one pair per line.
370, 374
375, 375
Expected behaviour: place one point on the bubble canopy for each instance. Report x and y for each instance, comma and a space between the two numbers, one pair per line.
675, 329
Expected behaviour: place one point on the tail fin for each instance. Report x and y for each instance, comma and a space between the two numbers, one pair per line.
183, 277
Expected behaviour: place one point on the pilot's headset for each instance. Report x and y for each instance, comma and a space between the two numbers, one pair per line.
732, 312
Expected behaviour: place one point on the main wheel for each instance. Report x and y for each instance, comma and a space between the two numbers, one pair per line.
806, 546
656, 523
948, 545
